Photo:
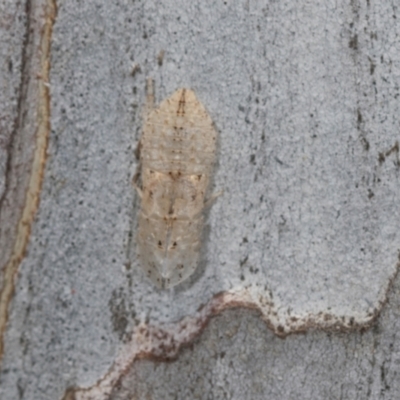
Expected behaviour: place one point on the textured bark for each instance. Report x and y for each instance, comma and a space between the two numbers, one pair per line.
304, 239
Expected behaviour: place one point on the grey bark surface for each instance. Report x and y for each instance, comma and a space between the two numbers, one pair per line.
305, 99
12, 38
237, 357
12, 29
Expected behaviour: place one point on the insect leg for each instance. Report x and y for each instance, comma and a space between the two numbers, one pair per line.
134, 183
212, 199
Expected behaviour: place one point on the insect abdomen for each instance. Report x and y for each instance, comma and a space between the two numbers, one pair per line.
177, 156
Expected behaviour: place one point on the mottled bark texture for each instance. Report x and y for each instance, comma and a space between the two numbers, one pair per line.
296, 294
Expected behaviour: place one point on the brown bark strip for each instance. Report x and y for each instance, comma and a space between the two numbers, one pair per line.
30, 139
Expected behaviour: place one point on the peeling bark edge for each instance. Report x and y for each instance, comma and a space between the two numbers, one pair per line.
43, 12
165, 343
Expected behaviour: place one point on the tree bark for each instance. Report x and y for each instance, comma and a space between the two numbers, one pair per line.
297, 293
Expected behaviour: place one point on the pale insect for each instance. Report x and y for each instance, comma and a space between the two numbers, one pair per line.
177, 154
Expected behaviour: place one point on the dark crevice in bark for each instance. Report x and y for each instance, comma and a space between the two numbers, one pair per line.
23, 87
